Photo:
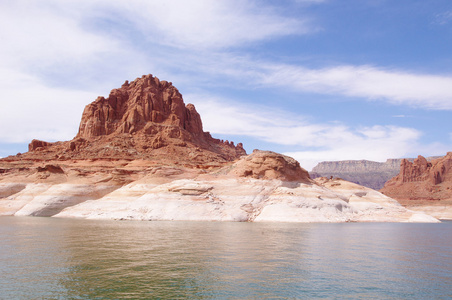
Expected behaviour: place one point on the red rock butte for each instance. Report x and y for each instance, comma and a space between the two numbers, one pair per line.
422, 180
144, 119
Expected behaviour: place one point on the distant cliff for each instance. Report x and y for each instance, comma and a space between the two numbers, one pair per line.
371, 174
422, 180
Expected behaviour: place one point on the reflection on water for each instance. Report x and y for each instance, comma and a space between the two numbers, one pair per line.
80, 259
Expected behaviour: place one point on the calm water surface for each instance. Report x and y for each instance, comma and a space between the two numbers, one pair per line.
47, 258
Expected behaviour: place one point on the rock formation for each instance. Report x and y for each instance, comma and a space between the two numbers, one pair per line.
371, 174
144, 119
270, 165
35, 144
142, 154
424, 184
133, 190
422, 179
142, 105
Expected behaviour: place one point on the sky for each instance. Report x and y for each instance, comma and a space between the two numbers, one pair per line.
318, 80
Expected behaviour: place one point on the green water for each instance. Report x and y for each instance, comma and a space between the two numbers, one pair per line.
47, 258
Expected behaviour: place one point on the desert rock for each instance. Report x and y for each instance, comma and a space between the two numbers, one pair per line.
142, 154
136, 191
37, 144
144, 119
138, 106
424, 185
270, 165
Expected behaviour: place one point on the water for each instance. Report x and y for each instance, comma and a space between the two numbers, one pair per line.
47, 258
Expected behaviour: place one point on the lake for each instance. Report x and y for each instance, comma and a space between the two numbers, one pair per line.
50, 258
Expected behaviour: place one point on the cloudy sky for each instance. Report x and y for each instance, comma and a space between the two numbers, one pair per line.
314, 79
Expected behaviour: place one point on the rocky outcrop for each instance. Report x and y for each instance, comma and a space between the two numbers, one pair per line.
139, 106
371, 174
37, 144
144, 119
422, 179
423, 185
136, 190
270, 165
433, 173
51, 169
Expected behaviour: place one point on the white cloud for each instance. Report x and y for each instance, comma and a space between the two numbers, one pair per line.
393, 86
94, 39
359, 83
199, 24
378, 144
29, 110
443, 18
55, 53
40, 39
317, 142
37, 37
207, 23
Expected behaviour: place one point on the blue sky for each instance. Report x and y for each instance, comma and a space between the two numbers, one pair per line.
314, 79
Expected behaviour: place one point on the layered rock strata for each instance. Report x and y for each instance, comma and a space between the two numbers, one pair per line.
256, 188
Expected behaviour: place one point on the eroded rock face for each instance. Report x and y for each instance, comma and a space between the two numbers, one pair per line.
422, 180
168, 193
136, 106
51, 169
144, 119
270, 165
36, 144
421, 170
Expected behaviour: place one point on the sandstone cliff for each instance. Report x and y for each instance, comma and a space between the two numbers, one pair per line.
144, 119
141, 105
424, 185
422, 179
